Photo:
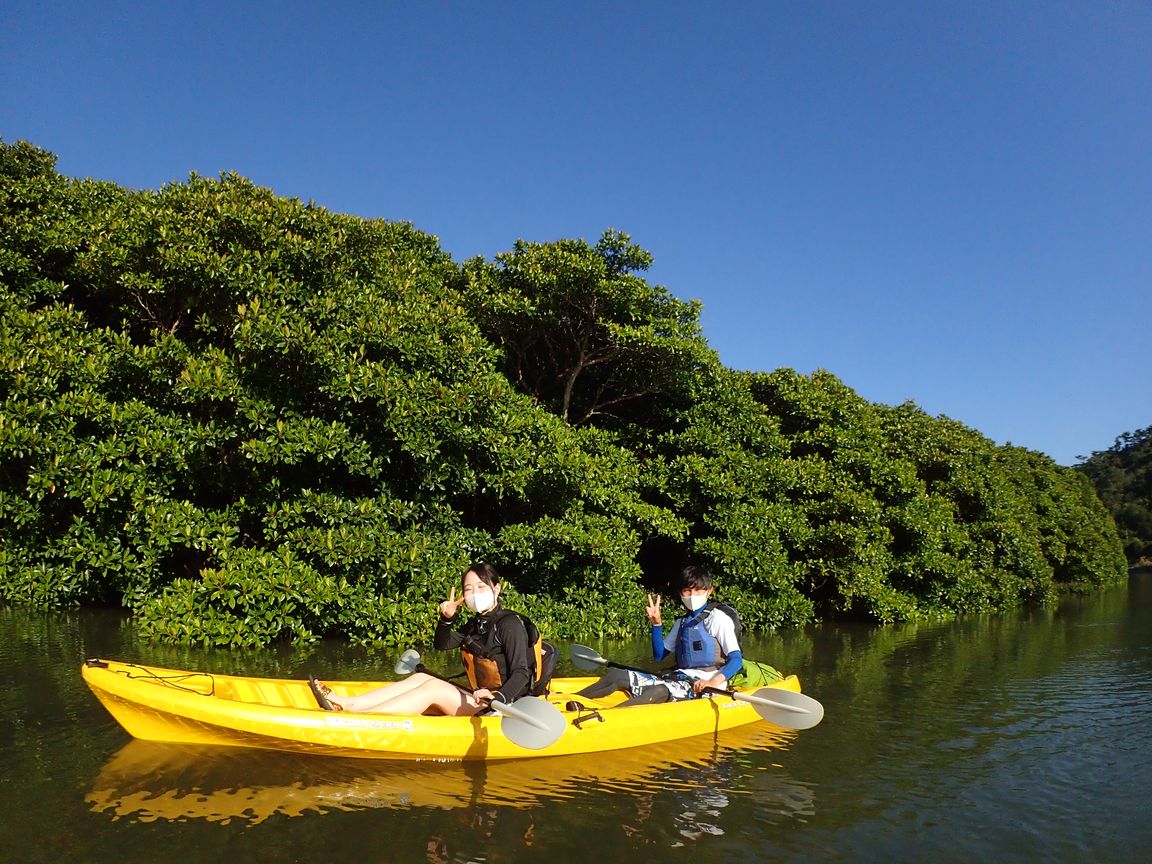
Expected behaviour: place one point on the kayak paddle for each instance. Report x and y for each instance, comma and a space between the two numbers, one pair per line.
585, 658
529, 722
783, 707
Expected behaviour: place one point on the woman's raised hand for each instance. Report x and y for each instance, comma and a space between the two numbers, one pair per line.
652, 610
448, 607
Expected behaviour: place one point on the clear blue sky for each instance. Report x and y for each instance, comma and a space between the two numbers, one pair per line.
943, 202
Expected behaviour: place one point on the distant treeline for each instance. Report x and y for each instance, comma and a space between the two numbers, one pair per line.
246, 418
1122, 475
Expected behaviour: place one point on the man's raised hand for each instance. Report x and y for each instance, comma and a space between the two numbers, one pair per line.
652, 610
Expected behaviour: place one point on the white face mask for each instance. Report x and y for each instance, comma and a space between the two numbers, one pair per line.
693, 601
480, 600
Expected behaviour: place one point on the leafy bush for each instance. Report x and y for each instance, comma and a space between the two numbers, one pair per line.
1122, 477
248, 419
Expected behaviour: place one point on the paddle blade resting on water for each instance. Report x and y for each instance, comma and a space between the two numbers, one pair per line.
783, 707
531, 723
585, 658
408, 662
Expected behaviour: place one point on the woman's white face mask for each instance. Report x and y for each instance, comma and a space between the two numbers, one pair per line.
480, 600
694, 601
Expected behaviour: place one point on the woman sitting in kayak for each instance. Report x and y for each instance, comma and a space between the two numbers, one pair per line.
704, 642
494, 644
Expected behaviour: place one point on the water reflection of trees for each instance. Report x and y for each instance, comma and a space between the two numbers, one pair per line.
950, 702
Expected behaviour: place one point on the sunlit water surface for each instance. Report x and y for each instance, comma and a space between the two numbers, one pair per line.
1017, 738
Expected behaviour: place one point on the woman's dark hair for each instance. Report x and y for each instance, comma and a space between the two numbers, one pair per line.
693, 576
485, 572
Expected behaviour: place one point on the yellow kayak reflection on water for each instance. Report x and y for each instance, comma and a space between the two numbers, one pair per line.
149, 781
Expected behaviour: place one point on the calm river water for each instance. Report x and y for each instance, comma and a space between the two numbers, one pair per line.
1019, 738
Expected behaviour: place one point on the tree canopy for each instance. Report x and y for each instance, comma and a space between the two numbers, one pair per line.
247, 418
582, 332
1122, 477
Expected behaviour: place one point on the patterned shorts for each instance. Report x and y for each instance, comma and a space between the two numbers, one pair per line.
679, 685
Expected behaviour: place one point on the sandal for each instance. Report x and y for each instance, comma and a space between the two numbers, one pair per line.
321, 692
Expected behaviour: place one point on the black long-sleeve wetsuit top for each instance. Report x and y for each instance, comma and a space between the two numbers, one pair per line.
500, 635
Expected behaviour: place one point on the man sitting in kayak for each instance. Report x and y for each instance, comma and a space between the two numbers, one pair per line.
704, 643
498, 656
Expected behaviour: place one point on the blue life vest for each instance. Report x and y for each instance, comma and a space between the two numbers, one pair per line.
696, 648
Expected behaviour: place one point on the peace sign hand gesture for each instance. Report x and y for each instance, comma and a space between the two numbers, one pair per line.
448, 607
652, 610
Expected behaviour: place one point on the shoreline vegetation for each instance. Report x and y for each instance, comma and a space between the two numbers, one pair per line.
247, 419
1122, 477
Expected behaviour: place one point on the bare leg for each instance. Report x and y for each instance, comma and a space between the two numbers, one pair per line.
428, 693
365, 701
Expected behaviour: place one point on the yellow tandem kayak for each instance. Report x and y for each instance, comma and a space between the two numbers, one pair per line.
175, 706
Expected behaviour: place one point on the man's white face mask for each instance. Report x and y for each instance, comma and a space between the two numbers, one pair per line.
693, 601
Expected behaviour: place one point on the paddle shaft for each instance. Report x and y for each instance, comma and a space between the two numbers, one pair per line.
742, 697
612, 664
756, 700
734, 694
785, 712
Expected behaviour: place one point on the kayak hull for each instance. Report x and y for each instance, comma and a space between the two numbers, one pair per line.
176, 706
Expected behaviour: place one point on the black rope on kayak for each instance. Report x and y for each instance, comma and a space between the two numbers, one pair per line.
171, 680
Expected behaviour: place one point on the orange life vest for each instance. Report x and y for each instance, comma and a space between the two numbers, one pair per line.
484, 671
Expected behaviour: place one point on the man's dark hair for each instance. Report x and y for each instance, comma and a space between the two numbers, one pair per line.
693, 576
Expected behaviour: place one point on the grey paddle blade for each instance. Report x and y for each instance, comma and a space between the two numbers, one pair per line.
531, 723
784, 707
408, 662
585, 658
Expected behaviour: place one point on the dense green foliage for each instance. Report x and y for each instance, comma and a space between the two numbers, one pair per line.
247, 418
1122, 475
